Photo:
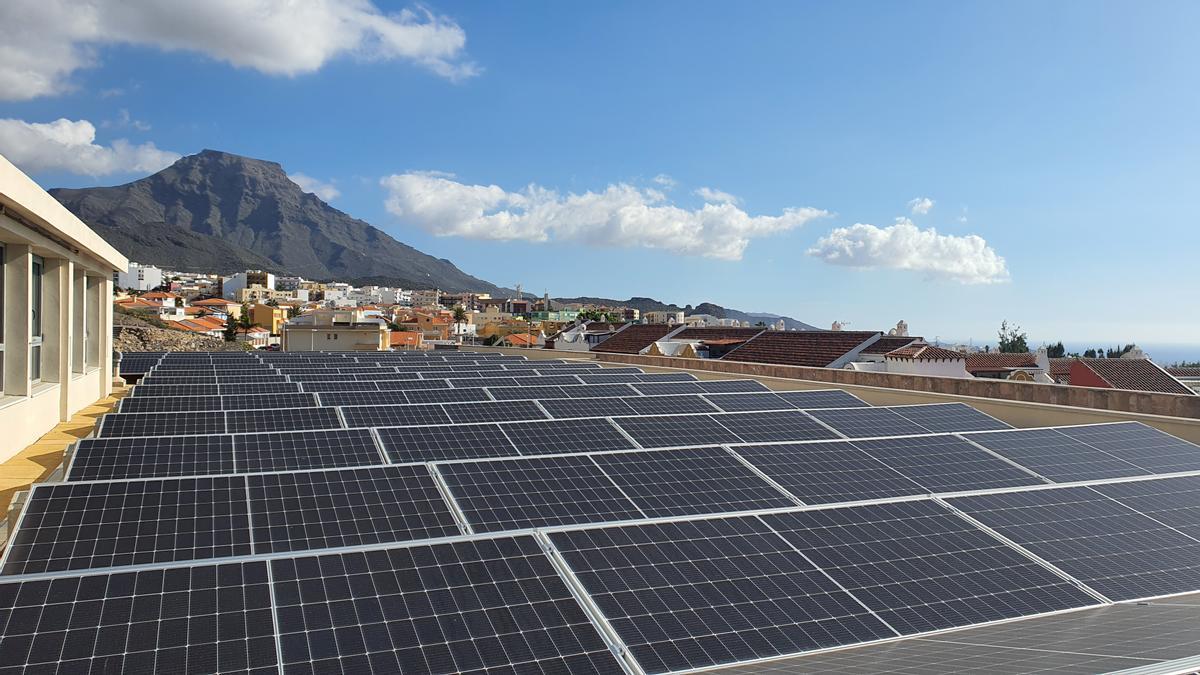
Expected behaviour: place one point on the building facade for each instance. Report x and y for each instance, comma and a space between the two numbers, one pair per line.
335, 331
139, 277
56, 289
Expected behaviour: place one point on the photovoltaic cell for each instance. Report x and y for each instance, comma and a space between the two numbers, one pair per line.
346, 507
949, 417
464, 395
662, 377
823, 473
394, 415
268, 388
291, 419
661, 388
1171, 501
499, 411
563, 436
822, 398
599, 390
176, 390
748, 402
690, 481
1139, 444
269, 401
162, 424
427, 444
669, 405
300, 450
921, 568
588, 407
1115, 550
483, 606
1055, 455
865, 422
71, 526
159, 404
202, 619
535, 492
662, 432
946, 463
605, 378
519, 393
340, 385
784, 425
702, 593
411, 385
115, 458
730, 386
347, 398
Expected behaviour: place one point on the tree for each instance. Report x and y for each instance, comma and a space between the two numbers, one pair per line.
293, 312
1056, 351
460, 317
1089, 354
231, 329
1012, 340
272, 302
761, 324
244, 320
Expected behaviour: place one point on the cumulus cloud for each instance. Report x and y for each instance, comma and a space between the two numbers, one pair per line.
326, 191
45, 41
904, 246
620, 215
66, 145
665, 181
920, 205
714, 196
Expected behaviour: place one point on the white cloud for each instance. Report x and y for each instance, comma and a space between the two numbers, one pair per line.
620, 215
904, 246
713, 196
125, 120
665, 181
45, 41
326, 191
65, 145
920, 206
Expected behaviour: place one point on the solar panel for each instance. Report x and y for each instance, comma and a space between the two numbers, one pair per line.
268, 388
1171, 501
518, 393
921, 568
110, 458
605, 378
499, 411
1055, 455
484, 382
701, 593
566, 436
822, 473
346, 507
822, 398
269, 401
535, 492
175, 390
428, 444
198, 619
730, 386
784, 425
669, 405
667, 431
71, 526
411, 385
949, 417
662, 377
947, 463
300, 450
448, 395
587, 407
690, 481
482, 606
600, 391
661, 388
394, 415
289, 419
865, 422
1139, 444
1115, 550
161, 424
744, 402
340, 385
347, 398
159, 404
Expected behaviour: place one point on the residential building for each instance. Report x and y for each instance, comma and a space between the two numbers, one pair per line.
1122, 373
220, 306
524, 340
232, 284
556, 316
288, 283
925, 359
255, 336
406, 339
139, 277
271, 318
56, 289
667, 317
426, 297
1027, 366
1190, 377
336, 330
259, 293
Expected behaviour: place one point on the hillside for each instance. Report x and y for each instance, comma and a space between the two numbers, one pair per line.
216, 211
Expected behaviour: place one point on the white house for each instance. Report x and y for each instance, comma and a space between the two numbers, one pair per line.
139, 277
56, 301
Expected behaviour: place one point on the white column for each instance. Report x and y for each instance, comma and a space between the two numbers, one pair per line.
18, 292
104, 340
56, 319
79, 320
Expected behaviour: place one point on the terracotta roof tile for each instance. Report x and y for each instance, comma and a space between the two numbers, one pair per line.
981, 362
718, 333
1184, 372
925, 352
634, 338
812, 348
1136, 374
889, 343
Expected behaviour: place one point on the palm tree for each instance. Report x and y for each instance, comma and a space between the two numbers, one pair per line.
460, 317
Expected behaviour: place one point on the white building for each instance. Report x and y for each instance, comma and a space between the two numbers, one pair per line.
139, 277
337, 331
56, 301
232, 284
674, 318
288, 283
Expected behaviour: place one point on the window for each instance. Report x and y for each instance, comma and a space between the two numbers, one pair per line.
35, 327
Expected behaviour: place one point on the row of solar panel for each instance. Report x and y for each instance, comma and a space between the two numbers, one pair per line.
216, 370
676, 595
141, 362
467, 379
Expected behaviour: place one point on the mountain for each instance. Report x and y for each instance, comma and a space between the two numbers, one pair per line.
220, 212
651, 305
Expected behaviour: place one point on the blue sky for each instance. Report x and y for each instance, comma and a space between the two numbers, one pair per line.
1062, 135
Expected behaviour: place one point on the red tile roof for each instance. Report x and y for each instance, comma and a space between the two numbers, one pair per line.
924, 352
1184, 372
814, 348
1136, 375
717, 333
634, 338
990, 362
889, 343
